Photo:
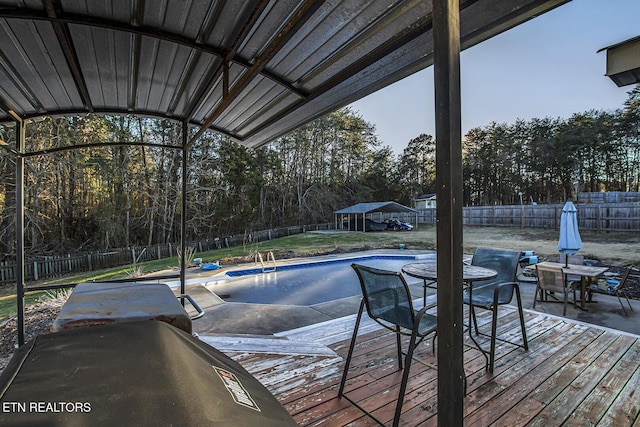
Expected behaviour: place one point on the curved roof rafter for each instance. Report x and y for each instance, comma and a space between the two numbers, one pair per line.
60, 21
66, 43
297, 20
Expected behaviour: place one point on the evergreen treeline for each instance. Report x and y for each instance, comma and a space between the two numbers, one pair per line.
122, 196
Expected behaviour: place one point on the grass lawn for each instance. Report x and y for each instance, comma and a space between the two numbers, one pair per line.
611, 248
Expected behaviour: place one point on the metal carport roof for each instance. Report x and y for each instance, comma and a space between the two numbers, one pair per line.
365, 208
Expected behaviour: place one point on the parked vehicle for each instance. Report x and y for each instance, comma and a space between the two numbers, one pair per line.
370, 225
396, 225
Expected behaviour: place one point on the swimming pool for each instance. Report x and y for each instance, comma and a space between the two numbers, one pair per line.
302, 284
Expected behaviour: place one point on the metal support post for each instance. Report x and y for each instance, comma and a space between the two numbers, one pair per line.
451, 376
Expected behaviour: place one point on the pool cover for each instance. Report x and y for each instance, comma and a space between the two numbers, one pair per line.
138, 373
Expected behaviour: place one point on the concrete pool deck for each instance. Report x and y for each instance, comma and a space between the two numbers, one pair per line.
267, 319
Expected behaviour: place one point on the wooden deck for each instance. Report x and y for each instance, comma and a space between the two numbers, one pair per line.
573, 375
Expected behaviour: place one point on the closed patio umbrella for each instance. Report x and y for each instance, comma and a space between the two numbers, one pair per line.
569, 242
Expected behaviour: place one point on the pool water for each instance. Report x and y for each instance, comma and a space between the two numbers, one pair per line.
302, 284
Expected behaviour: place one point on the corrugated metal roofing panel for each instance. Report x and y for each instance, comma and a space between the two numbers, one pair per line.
289, 61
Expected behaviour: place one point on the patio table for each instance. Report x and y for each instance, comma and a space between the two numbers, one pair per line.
428, 272
588, 274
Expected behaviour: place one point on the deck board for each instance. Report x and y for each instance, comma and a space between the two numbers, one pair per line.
594, 407
573, 375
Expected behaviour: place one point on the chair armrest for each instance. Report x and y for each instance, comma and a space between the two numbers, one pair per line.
499, 287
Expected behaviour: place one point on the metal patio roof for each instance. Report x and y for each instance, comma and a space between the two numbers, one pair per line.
252, 69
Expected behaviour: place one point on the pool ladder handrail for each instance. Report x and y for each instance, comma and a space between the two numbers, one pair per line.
270, 257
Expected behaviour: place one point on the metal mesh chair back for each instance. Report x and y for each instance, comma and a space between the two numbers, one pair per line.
625, 279
505, 263
386, 295
616, 290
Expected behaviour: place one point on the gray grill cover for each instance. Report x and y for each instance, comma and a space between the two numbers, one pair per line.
139, 373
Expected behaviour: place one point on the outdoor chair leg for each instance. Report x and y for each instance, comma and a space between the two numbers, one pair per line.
475, 321
494, 327
351, 347
494, 331
405, 378
525, 341
622, 305
399, 347
624, 293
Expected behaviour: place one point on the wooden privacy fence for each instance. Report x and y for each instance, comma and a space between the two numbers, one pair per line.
609, 197
40, 268
594, 217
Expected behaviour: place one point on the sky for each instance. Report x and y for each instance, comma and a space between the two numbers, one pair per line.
546, 67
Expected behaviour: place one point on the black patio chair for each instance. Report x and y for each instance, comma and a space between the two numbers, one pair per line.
387, 298
614, 288
492, 293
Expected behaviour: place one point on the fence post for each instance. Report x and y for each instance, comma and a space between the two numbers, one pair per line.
35, 270
598, 217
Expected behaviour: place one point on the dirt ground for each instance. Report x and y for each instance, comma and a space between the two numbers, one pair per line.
38, 320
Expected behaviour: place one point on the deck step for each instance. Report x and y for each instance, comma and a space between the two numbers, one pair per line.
253, 344
331, 331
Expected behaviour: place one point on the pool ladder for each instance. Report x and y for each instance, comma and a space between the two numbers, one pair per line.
269, 264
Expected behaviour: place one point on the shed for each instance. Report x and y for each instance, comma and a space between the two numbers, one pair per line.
426, 201
364, 211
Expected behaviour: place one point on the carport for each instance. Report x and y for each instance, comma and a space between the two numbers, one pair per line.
252, 70
361, 210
